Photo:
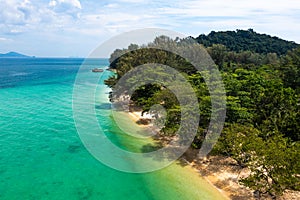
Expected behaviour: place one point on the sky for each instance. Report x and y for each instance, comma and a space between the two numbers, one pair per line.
74, 28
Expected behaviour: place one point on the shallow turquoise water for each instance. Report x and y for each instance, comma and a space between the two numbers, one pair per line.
41, 155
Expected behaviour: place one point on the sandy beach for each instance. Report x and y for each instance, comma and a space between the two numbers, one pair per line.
136, 116
222, 173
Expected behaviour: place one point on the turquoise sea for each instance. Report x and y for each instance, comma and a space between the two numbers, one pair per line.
42, 157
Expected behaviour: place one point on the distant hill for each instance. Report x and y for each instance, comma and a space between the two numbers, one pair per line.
247, 40
13, 55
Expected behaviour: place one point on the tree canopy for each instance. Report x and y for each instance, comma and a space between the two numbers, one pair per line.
261, 78
247, 40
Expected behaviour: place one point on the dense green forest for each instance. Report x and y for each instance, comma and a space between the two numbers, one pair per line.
262, 82
247, 40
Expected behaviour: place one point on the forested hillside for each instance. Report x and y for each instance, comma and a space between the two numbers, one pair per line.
262, 81
247, 40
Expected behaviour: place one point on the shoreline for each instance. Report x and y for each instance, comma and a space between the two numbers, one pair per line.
220, 172
136, 116
178, 179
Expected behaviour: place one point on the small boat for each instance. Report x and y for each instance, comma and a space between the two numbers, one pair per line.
97, 70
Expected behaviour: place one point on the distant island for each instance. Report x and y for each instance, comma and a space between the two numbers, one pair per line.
14, 55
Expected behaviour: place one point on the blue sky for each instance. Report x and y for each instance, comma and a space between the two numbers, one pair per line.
63, 28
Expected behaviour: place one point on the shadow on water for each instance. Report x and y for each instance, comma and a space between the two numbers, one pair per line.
169, 153
151, 147
74, 148
103, 106
84, 193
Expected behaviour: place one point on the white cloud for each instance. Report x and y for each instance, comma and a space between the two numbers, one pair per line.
94, 20
65, 4
15, 12
18, 16
116, 22
232, 8
2, 39
71, 7
112, 5
279, 18
133, 1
